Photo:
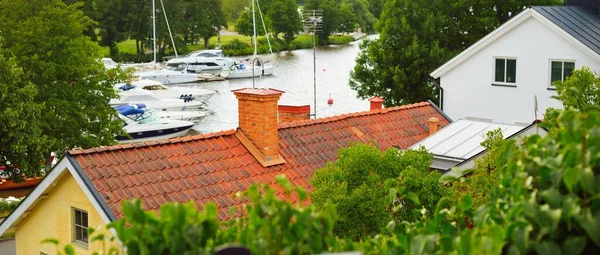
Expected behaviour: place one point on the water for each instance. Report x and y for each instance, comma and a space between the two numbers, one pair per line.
294, 75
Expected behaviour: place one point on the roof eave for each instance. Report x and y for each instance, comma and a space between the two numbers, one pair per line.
484, 42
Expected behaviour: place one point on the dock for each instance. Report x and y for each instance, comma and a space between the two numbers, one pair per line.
209, 77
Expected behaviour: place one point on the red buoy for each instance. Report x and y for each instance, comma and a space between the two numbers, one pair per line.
330, 101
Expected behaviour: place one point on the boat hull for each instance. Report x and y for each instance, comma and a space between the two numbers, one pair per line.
152, 135
265, 70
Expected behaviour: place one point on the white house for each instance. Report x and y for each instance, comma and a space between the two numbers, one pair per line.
505, 75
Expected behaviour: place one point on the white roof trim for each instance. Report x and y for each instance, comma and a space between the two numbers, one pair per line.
44, 185
505, 28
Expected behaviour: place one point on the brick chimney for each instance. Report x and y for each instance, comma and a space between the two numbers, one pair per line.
257, 109
376, 103
289, 113
433, 125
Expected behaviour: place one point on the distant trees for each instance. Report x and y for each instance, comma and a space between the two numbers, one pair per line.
54, 90
417, 36
285, 19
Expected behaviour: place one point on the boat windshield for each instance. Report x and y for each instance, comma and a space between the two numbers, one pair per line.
176, 66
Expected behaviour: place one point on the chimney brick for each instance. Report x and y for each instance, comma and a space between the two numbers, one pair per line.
376, 103
433, 125
289, 113
257, 109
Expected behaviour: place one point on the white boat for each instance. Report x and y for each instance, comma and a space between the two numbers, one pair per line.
239, 71
150, 128
256, 67
144, 113
172, 74
162, 91
204, 61
109, 63
140, 96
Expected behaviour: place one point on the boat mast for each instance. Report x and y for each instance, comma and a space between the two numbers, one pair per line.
153, 32
254, 28
169, 27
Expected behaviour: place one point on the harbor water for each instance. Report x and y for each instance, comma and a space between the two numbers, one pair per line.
294, 75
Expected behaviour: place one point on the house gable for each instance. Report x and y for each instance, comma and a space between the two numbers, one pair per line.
504, 29
45, 212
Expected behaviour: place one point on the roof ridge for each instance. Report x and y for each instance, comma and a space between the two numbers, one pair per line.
343, 116
183, 139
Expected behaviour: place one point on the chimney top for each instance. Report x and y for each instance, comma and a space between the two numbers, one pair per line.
376, 103
258, 91
433, 125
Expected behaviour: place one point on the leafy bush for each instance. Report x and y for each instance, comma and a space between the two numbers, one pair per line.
7, 206
340, 39
357, 184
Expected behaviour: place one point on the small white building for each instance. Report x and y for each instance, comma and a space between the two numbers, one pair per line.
505, 75
458, 145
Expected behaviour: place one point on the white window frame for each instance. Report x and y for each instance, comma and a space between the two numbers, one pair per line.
550, 85
510, 84
74, 212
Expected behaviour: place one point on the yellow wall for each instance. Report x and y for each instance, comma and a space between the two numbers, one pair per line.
52, 217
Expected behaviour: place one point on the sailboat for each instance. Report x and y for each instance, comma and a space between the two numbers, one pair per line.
256, 67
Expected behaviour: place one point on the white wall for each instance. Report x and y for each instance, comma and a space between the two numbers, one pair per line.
468, 91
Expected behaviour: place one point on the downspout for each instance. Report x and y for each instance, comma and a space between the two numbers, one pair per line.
441, 93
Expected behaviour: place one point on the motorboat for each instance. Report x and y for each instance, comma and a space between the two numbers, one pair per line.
151, 100
203, 61
148, 113
162, 91
151, 128
109, 63
175, 73
239, 71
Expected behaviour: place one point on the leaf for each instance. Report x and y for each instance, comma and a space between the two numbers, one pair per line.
69, 250
574, 245
571, 176
50, 240
591, 225
588, 180
466, 202
547, 248
417, 244
413, 197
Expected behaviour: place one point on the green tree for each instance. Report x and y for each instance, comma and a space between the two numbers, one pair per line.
579, 91
233, 9
21, 140
331, 17
357, 183
205, 19
397, 67
348, 19
418, 36
47, 42
243, 25
285, 19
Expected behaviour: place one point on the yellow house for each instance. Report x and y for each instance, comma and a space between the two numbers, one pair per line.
61, 207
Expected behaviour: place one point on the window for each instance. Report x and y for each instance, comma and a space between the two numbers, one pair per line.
560, 70
80, 225
506, 70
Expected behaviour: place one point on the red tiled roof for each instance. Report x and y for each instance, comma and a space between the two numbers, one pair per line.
212, 167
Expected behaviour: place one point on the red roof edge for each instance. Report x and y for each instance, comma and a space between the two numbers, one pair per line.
350, 115
152, 143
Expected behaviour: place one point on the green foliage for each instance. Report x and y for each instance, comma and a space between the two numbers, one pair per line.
285, 19
546, 201
205, 19
418, 36
272, 225
478, 182
340, 39
7, 206
243, 24
357, 184
579, 91
46, 41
